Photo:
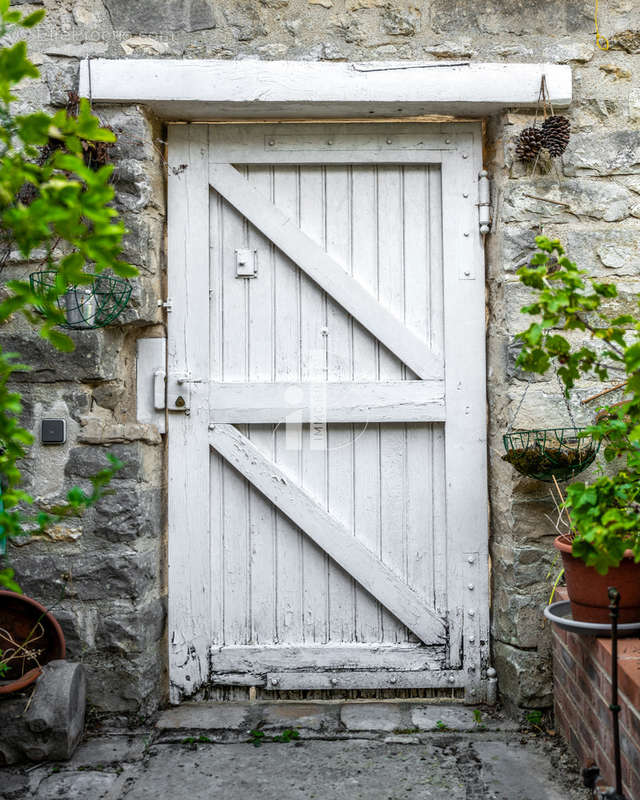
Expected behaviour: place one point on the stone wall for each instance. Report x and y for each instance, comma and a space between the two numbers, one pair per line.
107, 574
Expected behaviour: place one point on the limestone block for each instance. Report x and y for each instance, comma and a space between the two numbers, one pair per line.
95, 357
628, 40
246, 22
400, 21
518, 619
103, 575
131, 629
547, 201
52, 724
85, 461
148, 16
99, 431
611, 153
513, 16
523, 677
128, 514
568, 50
133, 185
634, 105
605, 252
77, 785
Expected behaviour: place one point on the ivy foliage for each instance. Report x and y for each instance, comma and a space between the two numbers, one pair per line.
70, 226
606, 512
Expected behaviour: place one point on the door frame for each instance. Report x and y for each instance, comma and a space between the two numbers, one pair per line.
188, 364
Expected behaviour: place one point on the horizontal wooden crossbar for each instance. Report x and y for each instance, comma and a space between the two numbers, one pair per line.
396, 401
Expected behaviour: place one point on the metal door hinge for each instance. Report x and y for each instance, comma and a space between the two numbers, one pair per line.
167, 304
484, 202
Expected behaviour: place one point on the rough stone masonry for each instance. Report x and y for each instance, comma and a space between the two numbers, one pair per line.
104, 576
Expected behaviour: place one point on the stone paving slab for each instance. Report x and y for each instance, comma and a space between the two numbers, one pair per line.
330, 718
436, 766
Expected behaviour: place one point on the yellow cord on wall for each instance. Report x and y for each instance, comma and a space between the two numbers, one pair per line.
601, 41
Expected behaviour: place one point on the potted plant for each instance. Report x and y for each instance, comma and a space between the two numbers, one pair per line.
604, 546
29, 638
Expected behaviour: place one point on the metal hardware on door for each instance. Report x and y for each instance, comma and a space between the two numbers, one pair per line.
484, 202
246, 263
179, 393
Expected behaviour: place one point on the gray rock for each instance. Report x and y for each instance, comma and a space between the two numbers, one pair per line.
513, 16
95, 357
104, 575
77, 786
52, 724
128, 514
602, 251
568, 50
400, 21
371, 717
547, 201
246, 22
628, 40
85, 461
133, 185
147, 16
614, 153
523, 677
131, 630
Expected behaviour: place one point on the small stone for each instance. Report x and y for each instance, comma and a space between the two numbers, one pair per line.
246, 23
565, 51
453, 49
400, 22
148, 16
618, 73
323, 3
144, 44
371, 717
634, 105
628, 40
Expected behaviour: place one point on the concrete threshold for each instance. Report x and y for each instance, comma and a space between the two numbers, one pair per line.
329, 719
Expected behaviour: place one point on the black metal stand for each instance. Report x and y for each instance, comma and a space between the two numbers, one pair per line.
614, 597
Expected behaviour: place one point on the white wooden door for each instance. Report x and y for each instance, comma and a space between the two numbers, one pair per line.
326, 396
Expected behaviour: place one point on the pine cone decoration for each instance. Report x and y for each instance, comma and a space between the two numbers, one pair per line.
556, 131
529, 144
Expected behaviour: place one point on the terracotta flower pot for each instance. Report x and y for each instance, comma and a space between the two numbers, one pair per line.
22, 618
588, 590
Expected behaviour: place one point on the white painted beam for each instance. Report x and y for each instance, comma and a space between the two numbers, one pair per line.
192, 89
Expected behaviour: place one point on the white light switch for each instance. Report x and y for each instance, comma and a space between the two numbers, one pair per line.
246, 263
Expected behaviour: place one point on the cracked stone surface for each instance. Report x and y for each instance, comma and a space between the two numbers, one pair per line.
487, 765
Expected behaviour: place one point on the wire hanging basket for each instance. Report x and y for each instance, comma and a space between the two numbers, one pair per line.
86, 306
546, 453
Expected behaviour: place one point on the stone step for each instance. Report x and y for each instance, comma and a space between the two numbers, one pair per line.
329, 719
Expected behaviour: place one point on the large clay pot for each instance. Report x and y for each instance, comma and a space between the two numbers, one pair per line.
22, 618
588, 590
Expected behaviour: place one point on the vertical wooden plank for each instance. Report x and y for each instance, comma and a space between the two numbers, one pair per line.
418, 311
313, 366
465, 445
217, 465
262, 513
436, 340
392, 437
189, 581
288, 438
339, 368
234, 490
366, 457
